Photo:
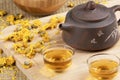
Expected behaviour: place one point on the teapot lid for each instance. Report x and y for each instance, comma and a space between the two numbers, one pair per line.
90, 12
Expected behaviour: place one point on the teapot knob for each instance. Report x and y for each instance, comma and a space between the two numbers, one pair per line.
91, 5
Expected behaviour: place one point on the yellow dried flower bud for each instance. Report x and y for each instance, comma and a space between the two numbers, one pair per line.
2, 61
10, 19
70, 4
27, 64
36, 23
10, 61
3, 13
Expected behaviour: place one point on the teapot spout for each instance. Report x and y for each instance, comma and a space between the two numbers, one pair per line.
65, 27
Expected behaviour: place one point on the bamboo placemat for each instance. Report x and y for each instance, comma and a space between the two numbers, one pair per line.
11, 8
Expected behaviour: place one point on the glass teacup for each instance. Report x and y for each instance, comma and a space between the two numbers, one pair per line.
103, 66
58, 57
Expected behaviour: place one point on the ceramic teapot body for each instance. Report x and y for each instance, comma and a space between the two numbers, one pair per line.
92, 29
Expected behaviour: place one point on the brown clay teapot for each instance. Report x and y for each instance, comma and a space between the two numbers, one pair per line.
91, 26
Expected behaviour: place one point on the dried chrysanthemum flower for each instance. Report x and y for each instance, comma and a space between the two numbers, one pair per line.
10, 19
6, 61
36, 24
8, 72
29, 50
10, 61
19, 16
1, 51
27, 64
24, 34
70, 4
2, 61
3, 12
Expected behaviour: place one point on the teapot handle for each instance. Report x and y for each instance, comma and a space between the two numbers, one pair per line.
116, 8
119, 22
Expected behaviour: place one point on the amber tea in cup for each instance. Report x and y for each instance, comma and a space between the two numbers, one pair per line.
103, 66
58, 57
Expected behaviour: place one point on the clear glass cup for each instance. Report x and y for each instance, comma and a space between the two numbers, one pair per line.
103, 66
58, 57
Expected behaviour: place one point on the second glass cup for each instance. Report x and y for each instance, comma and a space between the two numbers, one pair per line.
58, 57
103, 66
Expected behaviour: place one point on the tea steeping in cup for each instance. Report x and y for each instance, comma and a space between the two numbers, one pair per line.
58, 57
103, 66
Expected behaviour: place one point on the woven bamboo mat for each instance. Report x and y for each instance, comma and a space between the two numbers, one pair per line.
11, 8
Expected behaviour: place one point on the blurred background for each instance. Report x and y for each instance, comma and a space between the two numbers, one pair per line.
11, 8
